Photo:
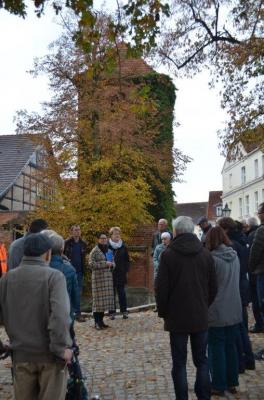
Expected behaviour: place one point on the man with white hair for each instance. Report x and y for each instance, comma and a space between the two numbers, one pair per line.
61, 264
162, 227
185, 288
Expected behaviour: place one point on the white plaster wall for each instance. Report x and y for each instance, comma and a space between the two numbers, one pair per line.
236, 190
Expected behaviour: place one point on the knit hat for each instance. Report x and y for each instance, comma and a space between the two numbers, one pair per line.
202, 220
36, 244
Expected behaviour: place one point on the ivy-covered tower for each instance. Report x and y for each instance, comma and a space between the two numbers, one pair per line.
133, 106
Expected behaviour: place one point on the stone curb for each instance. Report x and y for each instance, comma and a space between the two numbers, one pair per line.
131, 310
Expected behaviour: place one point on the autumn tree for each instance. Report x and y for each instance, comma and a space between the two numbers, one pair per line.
113, 159
224, 36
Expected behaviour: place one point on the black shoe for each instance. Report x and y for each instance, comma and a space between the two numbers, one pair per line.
80, 318
219, 393
112, 317
98, 327
125, 315
255, 329
232, 390
259, 355
250, 366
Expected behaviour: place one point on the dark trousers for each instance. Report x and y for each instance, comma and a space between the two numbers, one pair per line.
121, 292
98, 317
223, 360
244, 348
178, 342
80, 286
255, 307
260, 291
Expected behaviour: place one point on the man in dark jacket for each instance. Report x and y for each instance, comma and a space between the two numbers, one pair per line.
259, 318
256, 263
75, 249
16, 249
186, 287
205, 227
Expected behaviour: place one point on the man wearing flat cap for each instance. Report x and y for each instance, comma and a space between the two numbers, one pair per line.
35, 310
205, 227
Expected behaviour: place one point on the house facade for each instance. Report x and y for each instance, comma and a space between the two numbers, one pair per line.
243, 182
21, 181
215, 206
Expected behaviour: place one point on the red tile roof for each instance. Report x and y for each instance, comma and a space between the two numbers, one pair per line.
193, 210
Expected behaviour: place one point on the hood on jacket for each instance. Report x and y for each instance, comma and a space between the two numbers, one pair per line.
224, 253
186, 243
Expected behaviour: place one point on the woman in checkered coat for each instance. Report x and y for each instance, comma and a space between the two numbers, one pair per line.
102, 281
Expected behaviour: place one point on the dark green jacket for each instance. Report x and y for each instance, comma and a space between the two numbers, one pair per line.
256, 258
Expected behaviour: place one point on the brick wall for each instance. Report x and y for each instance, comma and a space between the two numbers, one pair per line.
141, 269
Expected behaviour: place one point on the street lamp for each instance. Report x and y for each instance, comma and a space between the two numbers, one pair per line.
226, 212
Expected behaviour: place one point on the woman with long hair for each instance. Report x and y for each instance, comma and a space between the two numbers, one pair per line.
225, 314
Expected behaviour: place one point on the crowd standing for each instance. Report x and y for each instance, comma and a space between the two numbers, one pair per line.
202, 290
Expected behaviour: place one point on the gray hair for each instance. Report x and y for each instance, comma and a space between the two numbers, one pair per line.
252, 221
57, 241
183, 225
165, 235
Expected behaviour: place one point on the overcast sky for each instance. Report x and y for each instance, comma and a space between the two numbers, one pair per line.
197, 108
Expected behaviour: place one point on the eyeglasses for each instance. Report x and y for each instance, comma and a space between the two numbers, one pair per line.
103, 238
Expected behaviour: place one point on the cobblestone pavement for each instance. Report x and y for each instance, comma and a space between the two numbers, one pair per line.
131, 360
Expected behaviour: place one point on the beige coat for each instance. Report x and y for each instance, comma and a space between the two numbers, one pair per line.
102, 282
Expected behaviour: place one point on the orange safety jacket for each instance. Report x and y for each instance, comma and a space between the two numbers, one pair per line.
3, 259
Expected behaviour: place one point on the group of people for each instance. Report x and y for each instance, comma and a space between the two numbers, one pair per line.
203, 288
40, 300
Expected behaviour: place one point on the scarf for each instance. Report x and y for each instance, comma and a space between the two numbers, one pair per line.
116, 245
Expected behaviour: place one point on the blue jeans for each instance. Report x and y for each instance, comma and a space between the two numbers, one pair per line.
178, 342
223, 359
80, 286
260, 291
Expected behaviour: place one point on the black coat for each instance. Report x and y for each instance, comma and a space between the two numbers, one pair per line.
121, 259
239, 245
185, 285
256, 259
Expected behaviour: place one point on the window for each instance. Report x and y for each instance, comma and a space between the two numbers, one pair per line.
256, 201
256, 167
240, 207
230, 180
243, 175
247, 205
219, 211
